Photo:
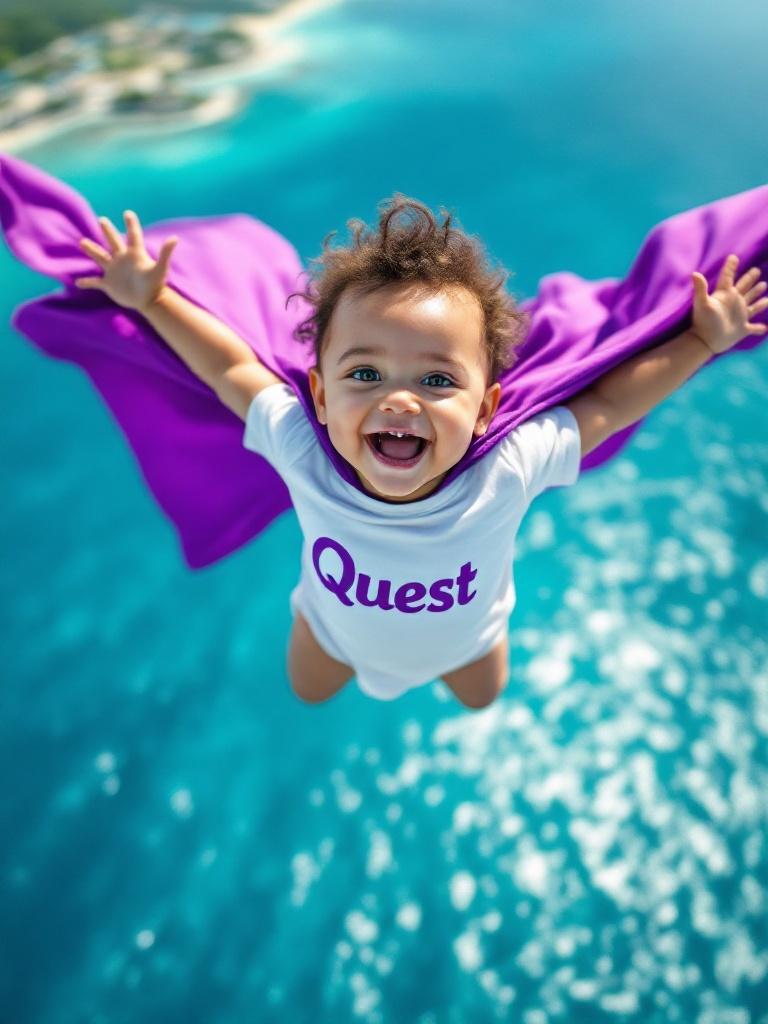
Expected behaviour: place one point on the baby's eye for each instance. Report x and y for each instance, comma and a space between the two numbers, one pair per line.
442, 377
369, 369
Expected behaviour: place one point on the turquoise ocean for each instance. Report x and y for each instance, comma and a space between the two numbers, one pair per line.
182, 839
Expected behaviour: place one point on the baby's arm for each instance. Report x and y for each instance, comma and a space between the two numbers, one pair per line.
629, 391
214, 353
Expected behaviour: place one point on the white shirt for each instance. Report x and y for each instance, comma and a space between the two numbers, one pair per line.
403, 592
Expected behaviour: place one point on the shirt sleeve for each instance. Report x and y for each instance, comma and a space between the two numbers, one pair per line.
276, 426
545, 450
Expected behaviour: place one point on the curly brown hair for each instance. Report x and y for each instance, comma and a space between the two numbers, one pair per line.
423, 251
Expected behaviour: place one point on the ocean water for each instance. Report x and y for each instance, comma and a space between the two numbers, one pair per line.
182, 839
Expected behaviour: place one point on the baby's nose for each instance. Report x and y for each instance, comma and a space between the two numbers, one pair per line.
400, 399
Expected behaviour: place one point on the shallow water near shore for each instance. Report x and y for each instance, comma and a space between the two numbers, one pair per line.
184, 840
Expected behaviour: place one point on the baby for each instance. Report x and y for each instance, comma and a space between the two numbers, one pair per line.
403, 581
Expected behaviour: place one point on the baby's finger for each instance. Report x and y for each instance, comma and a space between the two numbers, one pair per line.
701, 287
754, 292
113, 235
89, 282
98, 252
725, 280
164, 257
752, 275
133, 225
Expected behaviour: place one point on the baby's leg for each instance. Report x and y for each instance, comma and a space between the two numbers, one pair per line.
315, 676
480, 682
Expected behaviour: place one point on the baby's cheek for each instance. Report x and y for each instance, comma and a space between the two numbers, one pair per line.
346, 440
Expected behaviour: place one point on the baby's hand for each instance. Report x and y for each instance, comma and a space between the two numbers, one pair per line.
722, 318
131, 277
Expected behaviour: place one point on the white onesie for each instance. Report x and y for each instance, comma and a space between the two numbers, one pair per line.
403, 592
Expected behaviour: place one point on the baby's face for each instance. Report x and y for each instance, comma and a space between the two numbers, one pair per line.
425, 374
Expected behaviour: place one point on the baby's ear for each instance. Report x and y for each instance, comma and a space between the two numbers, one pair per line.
488, 408
318, 392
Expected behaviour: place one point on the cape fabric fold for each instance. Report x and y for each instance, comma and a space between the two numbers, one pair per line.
188, 445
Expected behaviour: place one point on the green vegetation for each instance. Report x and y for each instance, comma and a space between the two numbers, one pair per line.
122, 58
134, 101
55, 106
210, 50
25, 27
130, 100
46, 66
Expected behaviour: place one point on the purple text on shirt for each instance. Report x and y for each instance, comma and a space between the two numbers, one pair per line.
405, 596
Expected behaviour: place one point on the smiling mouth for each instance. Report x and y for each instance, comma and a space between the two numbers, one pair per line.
374, 443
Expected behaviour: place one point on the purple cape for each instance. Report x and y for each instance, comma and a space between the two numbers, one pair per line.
189, 446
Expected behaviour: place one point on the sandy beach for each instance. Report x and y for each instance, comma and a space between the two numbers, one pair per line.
272, 54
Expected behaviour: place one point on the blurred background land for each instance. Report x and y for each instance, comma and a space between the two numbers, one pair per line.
67, 67
25, 29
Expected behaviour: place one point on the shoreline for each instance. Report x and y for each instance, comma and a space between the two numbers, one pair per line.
221, 81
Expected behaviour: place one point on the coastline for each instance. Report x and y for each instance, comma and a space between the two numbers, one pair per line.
271, 54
